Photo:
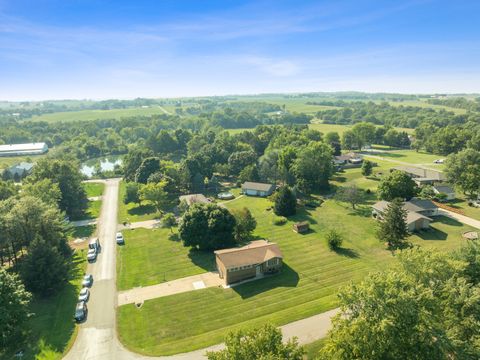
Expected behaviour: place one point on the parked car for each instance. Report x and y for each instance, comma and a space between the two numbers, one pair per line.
439, 161
84, 295
87, 280
119, 238
94, 244
92, 255
81, 311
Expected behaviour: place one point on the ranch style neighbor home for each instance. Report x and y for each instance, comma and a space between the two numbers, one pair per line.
418, 213
256, 259
257, 189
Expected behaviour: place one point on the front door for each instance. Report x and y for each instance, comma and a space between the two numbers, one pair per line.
258, 270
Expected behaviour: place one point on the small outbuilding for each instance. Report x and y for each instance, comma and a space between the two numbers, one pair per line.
301, 227
257, 189
256, 259
194, 199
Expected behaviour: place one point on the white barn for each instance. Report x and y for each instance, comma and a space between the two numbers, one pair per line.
23, 149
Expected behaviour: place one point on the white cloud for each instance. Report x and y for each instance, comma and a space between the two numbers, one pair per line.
273, 67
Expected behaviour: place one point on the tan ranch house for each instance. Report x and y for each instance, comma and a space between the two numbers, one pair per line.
256, 259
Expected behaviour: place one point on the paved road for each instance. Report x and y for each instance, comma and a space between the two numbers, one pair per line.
96, 337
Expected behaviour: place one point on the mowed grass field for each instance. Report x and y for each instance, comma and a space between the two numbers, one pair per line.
409, 156
6, 162
153, 256
133, 212
311, 277
424, 104
84, 115
94, 189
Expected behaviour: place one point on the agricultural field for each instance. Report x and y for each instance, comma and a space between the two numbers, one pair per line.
424, 104
102, 114
307, 285
52, 329
133, 212
153, 256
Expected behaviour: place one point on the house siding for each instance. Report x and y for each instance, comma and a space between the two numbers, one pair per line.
239, 275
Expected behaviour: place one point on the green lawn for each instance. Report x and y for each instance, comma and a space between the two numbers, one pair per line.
133, 212
424, 104
461, 203
411, 156
52, 327
94, 189
6, 162
313, 348
82, 231
98, 114
153, 256
307, 285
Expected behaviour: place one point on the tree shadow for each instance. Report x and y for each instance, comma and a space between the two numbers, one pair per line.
347, 252
287, 277
340, 179
141, 210
203, 259
174, 237
82, 231
363, 211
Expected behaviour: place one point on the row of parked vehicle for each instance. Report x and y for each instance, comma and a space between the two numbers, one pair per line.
94, 248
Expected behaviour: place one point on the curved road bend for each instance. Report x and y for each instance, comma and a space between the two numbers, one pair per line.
97, 337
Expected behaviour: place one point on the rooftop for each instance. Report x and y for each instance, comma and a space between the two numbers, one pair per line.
426, 174
257, 186
256, 252
23, 147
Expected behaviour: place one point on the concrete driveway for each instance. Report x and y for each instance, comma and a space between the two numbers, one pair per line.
190, 283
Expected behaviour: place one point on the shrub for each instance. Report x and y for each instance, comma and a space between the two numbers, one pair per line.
285, 202
334, 239
279, 220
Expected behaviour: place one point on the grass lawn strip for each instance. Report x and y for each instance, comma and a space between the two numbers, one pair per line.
133, 212
94, 189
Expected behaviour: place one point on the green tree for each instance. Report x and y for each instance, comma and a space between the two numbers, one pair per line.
422, 308
350, 194
286, 160
66, 174
155, 194
148, 167
44, 270
313, 167
133, 160
245, 224
7, 189
364, 134
14, 309
169, 221
334, 239
45, 190
249, 173
207, 227
393, 225
426, 192
285, 202
397, 184
240, 159
367, 168
132, 193
263, 343
463, 170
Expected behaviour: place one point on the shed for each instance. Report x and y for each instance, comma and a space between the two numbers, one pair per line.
301, 227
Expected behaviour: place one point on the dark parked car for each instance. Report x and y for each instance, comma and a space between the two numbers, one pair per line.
81, 311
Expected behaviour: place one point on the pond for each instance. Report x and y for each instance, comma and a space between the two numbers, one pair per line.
104, 163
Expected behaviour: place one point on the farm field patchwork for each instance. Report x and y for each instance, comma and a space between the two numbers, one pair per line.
307, 285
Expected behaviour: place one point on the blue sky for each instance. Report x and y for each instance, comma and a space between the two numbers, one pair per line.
57, 49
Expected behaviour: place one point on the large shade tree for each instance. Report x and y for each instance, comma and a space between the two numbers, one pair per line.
397, 184
463, 170
207, 227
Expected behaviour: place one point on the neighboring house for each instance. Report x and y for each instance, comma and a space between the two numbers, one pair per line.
19, 171
301, 227
194, 199
257, 189
256, 259
23, 149
445, 189
418, 213
349, 158
422, 176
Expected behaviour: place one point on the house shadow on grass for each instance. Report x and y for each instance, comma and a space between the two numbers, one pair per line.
363, 211
203, 259
432, 234
447, 221
287, 277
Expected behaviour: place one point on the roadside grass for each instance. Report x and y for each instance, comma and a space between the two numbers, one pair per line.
133, 212
52, 329
94, 189
461, 203
152, 256
312, 349
84, 115
82, 231
93, 211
